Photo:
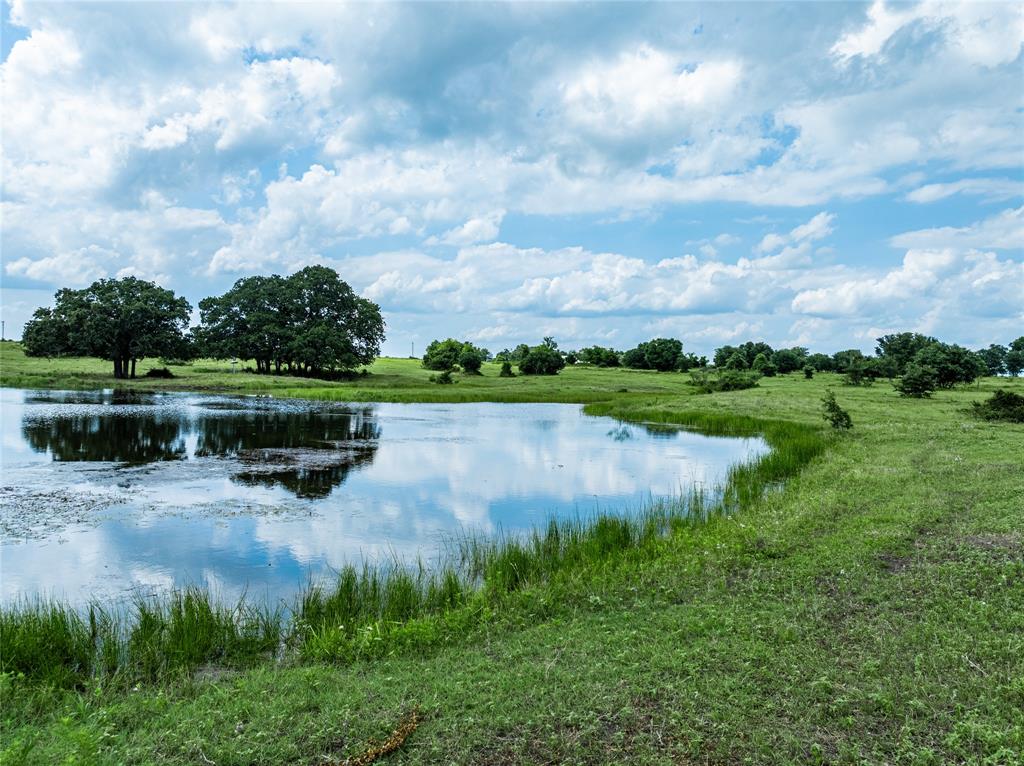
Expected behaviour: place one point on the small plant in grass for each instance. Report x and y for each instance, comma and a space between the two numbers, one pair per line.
836, 416
159, 372
918, 381
444, 378
1002, 405
506, 370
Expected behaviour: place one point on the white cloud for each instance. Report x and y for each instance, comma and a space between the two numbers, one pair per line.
473, 231
1004, 230
989, 188
819, 227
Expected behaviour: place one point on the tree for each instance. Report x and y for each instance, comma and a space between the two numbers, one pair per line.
994, 358
689, 362
952, 363
471, 360
902, 347
843, 360
636, 358
443, 354
122, 320
311, 321
541, 360
506, 370
663, 354
763, 365
808, 371
723, 355
751, 349
736, 362
789, 359
917, 381
821, 362
1015, 357
599, 356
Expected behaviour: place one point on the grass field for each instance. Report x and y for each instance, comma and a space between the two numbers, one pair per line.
868, 610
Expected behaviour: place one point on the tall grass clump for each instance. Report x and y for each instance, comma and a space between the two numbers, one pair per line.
45, 641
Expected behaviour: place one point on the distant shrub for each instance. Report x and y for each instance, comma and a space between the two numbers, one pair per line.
918, 381
765, 366
723, 380
1002, 405
541, 360
506, 370
471, 360
808, 371
444, 378
159, 372
836, 416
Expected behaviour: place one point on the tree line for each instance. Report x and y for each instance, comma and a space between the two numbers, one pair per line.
922, 362
309, 323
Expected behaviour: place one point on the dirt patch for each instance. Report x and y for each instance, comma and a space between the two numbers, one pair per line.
992, 541
895, 564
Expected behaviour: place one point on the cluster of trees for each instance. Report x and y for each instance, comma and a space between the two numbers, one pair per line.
310, 322
122, 320
449, 354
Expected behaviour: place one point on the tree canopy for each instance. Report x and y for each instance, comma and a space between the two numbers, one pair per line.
123, 320
311, 322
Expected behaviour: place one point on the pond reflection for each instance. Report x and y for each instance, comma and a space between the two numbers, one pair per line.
309, 450
105, 493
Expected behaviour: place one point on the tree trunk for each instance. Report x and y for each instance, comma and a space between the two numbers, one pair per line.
118, 367
133, 368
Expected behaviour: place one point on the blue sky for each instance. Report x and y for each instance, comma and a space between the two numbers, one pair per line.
809, 173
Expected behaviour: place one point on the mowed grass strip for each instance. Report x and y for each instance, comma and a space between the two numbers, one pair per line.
868, 610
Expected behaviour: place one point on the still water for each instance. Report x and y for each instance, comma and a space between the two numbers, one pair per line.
105, 494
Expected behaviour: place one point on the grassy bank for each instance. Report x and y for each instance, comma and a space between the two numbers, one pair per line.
867, 611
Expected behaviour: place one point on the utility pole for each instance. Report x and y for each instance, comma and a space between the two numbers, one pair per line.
3, 330
412, 350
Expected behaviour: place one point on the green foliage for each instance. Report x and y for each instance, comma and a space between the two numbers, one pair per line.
952, 364
821, 362
833, 414
764, 366
121, 320
1014, 360
661, 354
542, 360
994, 358
735, 362
708, 382
918, 381
471, 360
901, 348
310, 322
788, 360
599, 356
506, 370
445, 378
808, 371
1002, 405
159, 372
444, 354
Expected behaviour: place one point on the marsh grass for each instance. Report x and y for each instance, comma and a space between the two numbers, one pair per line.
373, 609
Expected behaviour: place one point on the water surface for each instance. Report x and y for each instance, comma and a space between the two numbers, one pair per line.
108, 493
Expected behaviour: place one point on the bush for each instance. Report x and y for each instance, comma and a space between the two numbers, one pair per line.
506, 370
808, 371
444, 378
836, 416
471, 360
918, 381
1002, 405
159, 372
541, 360
724, 380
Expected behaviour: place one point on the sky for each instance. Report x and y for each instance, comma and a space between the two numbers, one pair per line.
811, 174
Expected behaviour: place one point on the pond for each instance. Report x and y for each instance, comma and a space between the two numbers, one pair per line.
109, 493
